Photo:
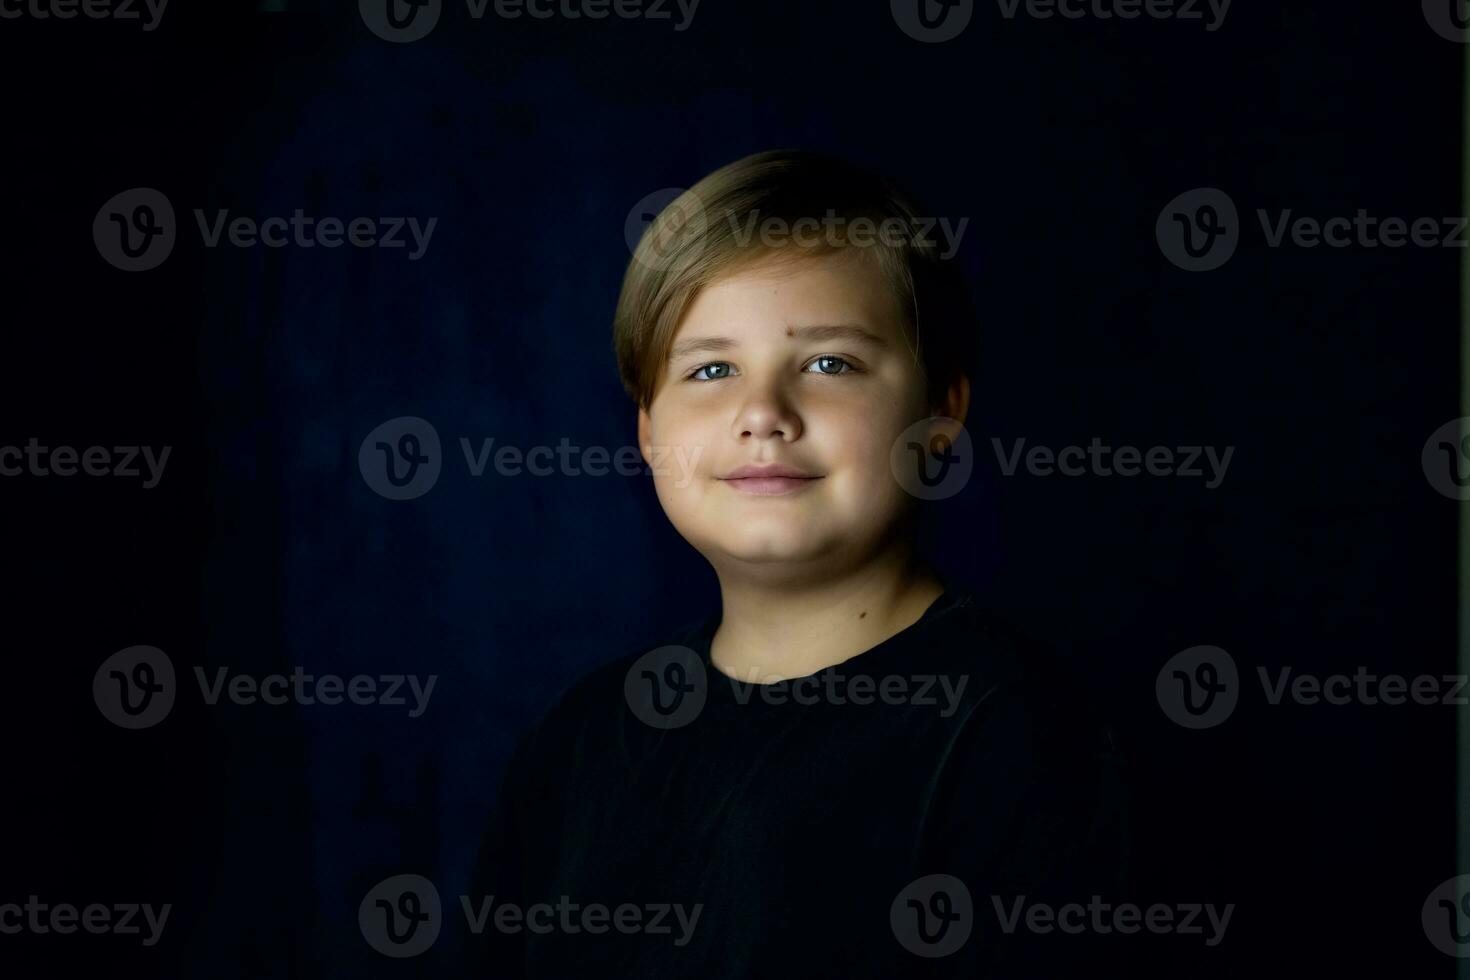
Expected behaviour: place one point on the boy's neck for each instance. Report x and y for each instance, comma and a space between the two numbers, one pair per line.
770, 633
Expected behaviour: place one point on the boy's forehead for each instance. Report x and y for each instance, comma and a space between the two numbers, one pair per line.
779, 297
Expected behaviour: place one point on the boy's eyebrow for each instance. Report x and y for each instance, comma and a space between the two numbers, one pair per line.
698, 344
807, 332
836, 331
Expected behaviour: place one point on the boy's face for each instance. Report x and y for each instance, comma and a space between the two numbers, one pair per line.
801, 365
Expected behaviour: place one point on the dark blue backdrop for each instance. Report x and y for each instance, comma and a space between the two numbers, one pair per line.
529, 142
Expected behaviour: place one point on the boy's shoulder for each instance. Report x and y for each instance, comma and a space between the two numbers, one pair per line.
595, 703
1016, 674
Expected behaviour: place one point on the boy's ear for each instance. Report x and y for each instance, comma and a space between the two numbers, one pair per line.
643, 425
955, 403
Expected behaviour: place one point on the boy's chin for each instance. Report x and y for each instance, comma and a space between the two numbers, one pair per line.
771, 548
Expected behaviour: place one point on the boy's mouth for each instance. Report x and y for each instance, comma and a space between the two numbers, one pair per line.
769, 480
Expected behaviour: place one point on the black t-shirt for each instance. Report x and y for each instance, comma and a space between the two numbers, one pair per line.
916, 799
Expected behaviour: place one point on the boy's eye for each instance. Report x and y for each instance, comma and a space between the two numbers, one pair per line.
830, 364
826, 364
710, 372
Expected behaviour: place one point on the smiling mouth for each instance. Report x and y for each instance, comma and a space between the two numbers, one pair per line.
770, 486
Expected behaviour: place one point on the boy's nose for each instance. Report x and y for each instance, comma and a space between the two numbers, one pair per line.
767, 416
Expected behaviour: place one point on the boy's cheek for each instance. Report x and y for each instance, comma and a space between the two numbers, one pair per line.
864, 444
677, 466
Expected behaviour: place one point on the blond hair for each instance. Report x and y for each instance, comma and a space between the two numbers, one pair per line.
704, 234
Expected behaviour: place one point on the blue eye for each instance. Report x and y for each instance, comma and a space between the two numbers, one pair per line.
828, 361
719, 369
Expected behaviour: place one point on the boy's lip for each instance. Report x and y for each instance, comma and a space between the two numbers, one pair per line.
769, 480
767, 471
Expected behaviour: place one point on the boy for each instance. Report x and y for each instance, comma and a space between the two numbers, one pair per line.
852, 771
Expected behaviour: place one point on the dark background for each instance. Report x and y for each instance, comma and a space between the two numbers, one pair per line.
1324, 549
